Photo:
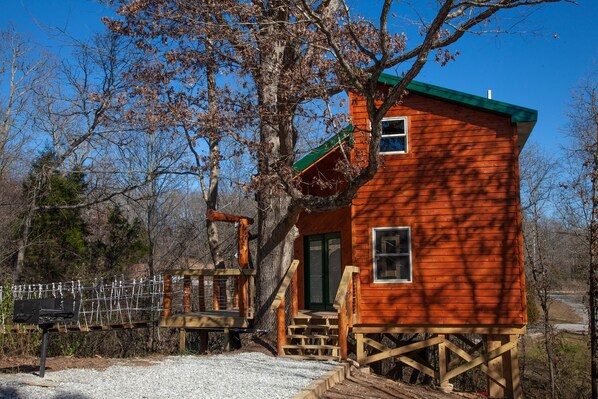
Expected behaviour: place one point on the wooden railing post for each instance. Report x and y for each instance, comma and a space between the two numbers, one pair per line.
242, 293
167, 299
357, 288
216, 292
350, 301
281, 340
342, 330
187, 294
279, 304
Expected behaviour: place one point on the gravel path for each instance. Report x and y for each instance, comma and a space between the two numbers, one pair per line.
244, 375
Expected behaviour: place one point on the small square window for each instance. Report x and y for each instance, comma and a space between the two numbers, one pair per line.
394, 135
392, 254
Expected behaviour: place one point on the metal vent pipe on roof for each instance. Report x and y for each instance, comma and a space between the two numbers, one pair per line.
489, 94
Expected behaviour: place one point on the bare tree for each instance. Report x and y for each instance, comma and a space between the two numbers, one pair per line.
21, 71
538, 183
583, 130
77, 116
288, 54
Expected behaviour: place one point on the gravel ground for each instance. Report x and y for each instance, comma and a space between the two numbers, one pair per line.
244, 375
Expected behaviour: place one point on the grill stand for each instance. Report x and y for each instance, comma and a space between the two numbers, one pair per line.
44, 349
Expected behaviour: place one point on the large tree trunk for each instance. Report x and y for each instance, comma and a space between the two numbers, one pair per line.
277, 235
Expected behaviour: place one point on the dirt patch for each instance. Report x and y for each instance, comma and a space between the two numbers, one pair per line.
30, 364
362, 385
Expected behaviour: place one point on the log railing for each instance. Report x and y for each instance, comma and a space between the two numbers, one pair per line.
279, 304
217, 289
346, 303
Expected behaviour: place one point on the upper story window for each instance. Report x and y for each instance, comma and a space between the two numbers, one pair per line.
394, 136
392, 254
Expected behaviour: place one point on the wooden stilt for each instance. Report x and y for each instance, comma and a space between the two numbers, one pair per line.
495, 366
360, 348
203, 341
182, 340
514, 377
226, 343
442, 362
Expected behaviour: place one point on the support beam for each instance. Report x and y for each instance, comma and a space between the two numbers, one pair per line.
495, 366
442, 363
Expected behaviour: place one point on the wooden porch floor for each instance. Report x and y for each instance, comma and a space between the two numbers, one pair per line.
207, 319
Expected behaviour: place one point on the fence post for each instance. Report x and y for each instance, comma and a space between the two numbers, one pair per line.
167, 296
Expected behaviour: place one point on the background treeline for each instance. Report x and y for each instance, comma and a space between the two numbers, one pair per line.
87, 189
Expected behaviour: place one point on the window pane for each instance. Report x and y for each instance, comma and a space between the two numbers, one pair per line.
396, 126
392, 144
394, 241
315, 271
392, 268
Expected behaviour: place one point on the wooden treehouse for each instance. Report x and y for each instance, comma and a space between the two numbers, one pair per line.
212, 299
426, 266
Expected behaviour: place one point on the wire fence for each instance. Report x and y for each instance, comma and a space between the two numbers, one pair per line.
103, 302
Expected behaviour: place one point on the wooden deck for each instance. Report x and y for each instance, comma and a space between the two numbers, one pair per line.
206, 320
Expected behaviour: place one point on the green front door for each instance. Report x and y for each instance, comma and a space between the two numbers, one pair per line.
322, 270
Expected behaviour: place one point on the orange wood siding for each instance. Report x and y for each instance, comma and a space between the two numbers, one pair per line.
321, 223
457, 188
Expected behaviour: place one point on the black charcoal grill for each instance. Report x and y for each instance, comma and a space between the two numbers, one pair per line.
45, 313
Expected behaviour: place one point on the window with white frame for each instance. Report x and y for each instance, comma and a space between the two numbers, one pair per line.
392, 254
394, 135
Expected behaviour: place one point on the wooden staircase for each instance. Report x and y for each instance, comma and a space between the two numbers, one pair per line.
314, 336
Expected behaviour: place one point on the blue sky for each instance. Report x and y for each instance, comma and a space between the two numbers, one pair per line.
537, 69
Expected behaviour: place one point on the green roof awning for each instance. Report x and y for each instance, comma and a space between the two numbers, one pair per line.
324, 148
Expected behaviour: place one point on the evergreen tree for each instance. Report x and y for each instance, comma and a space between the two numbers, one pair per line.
58, 233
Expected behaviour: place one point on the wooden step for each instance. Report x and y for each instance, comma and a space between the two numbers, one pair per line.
313, 357
314, 326
311, 347
315, 336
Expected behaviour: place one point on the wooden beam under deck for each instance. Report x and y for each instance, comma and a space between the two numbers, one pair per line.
214, 319
412, 329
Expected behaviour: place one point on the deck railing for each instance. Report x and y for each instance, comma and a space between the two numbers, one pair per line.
212, 290
279, 304
346, 303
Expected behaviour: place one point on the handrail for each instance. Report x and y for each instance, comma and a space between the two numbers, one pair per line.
284, 284
211, 272
344, 293
341, 293
279, 304
243, 295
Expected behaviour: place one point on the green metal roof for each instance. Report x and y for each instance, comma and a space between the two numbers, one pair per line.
524, 118
518, 114
324, 148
